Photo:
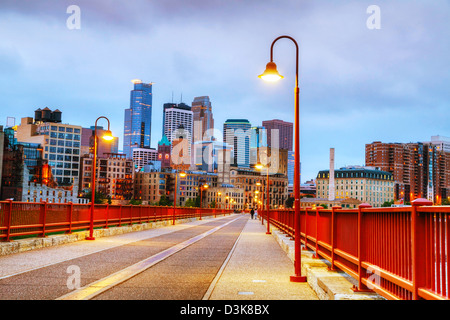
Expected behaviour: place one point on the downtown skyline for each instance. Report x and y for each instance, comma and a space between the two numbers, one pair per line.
356, 85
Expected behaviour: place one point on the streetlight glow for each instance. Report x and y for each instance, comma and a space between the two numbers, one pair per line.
108, 136
271, 73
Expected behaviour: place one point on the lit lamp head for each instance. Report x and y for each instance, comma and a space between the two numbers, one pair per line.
205, 186
271, 73
182, 174
108, 136
258, 166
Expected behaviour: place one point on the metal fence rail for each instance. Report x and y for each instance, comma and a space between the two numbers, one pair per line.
19, 219
401, 253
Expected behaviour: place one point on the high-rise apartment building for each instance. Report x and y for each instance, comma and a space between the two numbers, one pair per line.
138, 118
420, 170
203, 118
283, 129
236, 133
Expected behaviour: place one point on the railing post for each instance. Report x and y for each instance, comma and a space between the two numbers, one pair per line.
306, 227
316, 256
333, 233
360, 287
43, 216
140, 214
107, 215
418, 246
70, 214
120, 215
9, 219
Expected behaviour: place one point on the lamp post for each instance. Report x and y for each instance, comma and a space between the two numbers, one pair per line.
215, 204
202, 187
182, 175
259, 166
271, 74
107, 136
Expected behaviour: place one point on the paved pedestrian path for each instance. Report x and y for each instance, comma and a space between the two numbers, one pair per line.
258, 269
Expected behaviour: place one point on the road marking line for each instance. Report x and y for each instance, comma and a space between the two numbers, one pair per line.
91, 290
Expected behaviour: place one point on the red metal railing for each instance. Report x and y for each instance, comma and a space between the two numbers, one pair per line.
18, 219
400, 253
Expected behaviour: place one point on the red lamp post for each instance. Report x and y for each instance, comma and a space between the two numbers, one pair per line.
107, 136
271, 74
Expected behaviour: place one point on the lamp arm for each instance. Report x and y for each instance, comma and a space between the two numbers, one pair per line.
296, 57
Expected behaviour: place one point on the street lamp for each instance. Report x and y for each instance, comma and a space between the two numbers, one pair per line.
271, 74
259, 166
108, 137
202, 187
182, 175
215, 204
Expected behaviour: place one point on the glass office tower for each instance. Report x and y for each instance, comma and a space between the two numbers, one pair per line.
138, 118
236, 132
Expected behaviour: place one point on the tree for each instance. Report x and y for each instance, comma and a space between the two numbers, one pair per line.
290, 202
388, 203
99, 197
189, 203
164, 201
135, 202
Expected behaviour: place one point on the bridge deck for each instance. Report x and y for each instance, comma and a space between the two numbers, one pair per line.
227, 258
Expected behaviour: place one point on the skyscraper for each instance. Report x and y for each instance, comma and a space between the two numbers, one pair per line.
138, 118
177, 125
285, 133
203, 118
236, 133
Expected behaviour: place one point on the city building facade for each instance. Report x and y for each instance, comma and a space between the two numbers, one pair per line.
61, 143
420, 170
365, 184
281, 129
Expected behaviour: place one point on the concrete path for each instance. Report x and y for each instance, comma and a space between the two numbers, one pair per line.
258, 269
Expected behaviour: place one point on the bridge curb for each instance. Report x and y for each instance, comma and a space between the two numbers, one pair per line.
23, 245
328, 285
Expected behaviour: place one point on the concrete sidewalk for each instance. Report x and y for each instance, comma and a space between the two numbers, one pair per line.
258, 269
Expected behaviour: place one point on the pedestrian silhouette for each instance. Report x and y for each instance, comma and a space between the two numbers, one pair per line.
252, 213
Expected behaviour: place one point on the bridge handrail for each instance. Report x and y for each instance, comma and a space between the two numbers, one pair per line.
19, 219
399, 252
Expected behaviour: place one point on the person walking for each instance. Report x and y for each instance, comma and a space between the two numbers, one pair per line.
252, 213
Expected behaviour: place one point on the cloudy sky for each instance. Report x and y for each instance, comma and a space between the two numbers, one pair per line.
357, 85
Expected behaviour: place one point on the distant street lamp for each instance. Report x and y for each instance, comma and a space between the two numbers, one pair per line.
108, 137
182, 175
215, 204
271, 74
202, 187
259, 166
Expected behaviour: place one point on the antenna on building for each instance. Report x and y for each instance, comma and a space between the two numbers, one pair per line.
181, 97
172, 96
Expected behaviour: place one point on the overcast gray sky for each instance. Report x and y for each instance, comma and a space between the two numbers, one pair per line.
357, 85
